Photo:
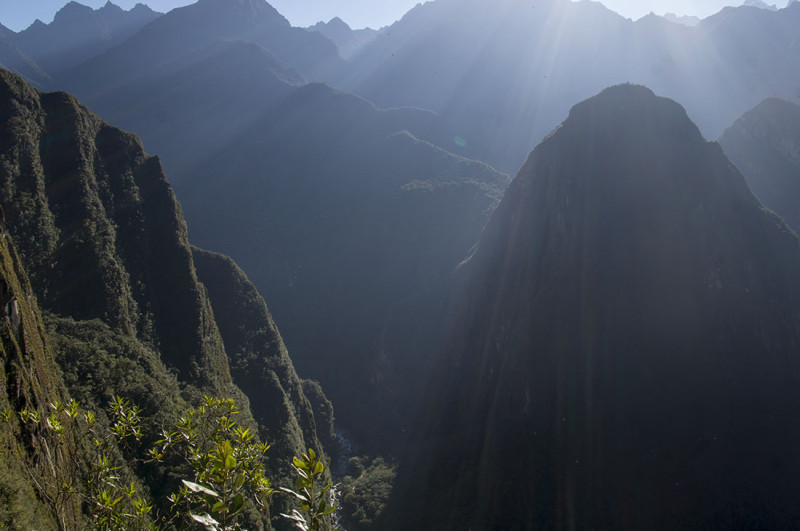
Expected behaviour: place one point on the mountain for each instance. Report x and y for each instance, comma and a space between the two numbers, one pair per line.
625, 351
29, 378
78, 33
341, 217
348, 41
101, 235
235, 101
188, 29
765, 144
12, 58
214, 93
682, 19
505, 73
760, 4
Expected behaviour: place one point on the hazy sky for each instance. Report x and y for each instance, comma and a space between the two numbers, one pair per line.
18, 14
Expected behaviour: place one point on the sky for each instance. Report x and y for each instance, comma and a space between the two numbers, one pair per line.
19, 14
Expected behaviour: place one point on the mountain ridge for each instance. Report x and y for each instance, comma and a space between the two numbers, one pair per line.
103, 238
765, 144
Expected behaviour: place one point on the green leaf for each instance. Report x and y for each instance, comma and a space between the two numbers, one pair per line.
237, 504
219, 507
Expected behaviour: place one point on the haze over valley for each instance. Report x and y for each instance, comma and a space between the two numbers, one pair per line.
518, 264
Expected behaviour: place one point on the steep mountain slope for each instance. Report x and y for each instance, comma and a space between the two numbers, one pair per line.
259, 360
104, 240
78, 33
339, 216
187, 29
12, 58
506, 72
765, 144
29, 378
626, 349
99, 229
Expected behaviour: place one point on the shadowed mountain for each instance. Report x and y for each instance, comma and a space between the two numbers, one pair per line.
105, 243
12, 58
625, 352
506, 72
199, 102
349, 41
339, 216
765, 144
78, 33
186, 30
259, 361
234, 101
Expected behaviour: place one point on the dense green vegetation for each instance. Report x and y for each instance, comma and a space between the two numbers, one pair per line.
365, 491
104, 240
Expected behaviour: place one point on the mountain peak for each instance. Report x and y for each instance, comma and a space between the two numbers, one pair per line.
627, 107
256, 8
627, 276
760, 4
71, 11
110, 7
338, 23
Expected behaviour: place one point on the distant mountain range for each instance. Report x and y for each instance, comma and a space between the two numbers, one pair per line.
504, 73
625, 350
76, 34
186, 30
348, 41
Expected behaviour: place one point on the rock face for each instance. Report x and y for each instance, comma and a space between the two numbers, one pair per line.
626, 351
99, 228
105, 243
765, 144
29, 378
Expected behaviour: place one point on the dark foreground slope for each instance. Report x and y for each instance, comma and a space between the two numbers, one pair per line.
765, 145
105, 244
626, 353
